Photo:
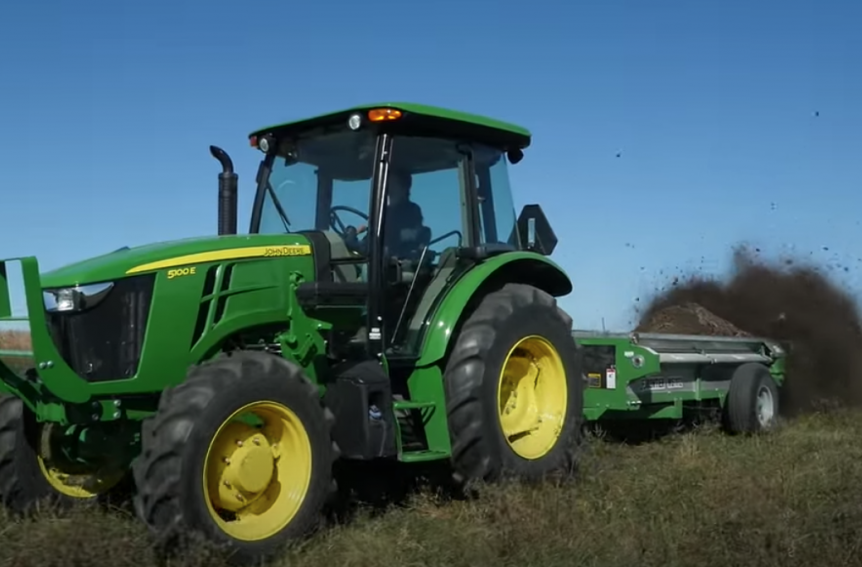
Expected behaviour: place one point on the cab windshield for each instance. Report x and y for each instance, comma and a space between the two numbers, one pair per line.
323, 182
313, 174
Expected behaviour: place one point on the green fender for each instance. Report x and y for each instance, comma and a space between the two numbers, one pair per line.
512, 267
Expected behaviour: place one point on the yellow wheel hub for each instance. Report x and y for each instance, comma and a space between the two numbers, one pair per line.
257, 471
532, 397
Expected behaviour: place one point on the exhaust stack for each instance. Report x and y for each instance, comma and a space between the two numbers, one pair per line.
227, 192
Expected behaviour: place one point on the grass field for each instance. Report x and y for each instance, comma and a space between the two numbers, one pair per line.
697, 498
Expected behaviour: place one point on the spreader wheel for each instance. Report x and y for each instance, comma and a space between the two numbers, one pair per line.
241, 451
752, 400
33, 468
514, 388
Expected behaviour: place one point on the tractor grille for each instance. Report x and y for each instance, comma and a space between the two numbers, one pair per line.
104, 342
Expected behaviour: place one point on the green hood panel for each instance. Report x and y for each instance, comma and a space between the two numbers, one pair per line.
165, 255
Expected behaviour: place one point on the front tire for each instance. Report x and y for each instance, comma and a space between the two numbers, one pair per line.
28, 474
241, 452
517, 343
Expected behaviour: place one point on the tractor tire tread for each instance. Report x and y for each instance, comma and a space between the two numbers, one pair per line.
466, 371
158, 471
11, 415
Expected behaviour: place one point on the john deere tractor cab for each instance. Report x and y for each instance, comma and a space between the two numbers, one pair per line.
436, 189
386, 304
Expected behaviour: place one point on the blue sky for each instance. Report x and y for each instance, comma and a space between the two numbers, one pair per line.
109, 108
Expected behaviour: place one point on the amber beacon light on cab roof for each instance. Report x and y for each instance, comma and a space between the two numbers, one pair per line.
222, 376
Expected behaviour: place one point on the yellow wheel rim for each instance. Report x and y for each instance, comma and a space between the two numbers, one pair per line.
69, 478
532, 397
82, 486
257, 471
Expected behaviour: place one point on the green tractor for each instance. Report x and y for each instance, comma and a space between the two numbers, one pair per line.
225, 375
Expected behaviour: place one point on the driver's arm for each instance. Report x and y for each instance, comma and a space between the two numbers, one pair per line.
353, 242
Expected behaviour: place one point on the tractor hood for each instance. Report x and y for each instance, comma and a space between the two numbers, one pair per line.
165, 255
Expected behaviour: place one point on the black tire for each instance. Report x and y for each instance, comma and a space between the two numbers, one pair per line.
170, 496
742, 415
23, 485
480, 450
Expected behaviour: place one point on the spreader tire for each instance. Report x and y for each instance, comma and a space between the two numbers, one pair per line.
24, 475
515, 316
752, 400
249, 486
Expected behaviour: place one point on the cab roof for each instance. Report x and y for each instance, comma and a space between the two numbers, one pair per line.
432, 119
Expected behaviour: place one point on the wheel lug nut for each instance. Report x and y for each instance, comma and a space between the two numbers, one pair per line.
227, 484
256, 441
238, 443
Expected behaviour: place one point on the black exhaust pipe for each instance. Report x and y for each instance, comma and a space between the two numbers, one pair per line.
227, 192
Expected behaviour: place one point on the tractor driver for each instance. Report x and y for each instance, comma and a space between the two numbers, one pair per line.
404, 231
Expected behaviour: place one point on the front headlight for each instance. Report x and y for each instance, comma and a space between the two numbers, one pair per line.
76, 298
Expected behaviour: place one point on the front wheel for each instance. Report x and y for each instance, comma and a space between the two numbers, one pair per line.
241, 451
514, 386
38, 465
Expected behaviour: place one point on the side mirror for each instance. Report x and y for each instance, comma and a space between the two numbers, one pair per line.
535, 230
515, 155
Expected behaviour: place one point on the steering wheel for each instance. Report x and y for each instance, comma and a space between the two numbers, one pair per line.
339, 227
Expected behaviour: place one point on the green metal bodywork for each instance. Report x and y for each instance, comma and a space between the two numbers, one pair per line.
635, 377
551, 277
261, 297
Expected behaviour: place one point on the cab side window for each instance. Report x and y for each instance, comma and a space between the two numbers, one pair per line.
497, 217
425, 205
425, 217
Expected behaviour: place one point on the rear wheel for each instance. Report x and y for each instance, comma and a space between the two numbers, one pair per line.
241, 452
35, 465
514, 386
752, 400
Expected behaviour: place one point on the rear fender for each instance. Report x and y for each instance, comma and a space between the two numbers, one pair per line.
513, 267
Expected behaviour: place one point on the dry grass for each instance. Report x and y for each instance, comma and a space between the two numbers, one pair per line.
786, 499
16, 341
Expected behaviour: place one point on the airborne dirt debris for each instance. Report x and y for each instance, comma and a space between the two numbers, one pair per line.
796, 304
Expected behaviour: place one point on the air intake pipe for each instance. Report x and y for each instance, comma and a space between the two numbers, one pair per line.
227, 192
